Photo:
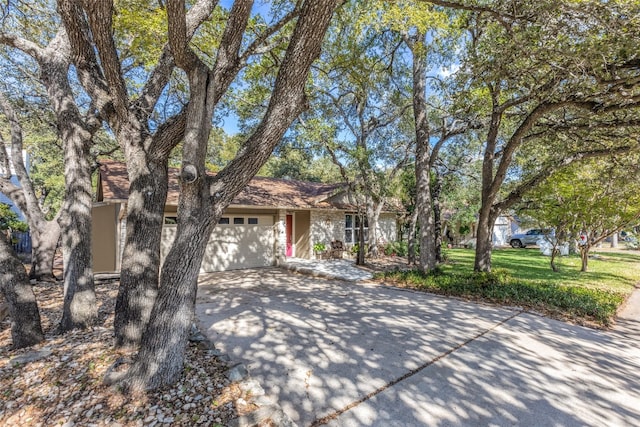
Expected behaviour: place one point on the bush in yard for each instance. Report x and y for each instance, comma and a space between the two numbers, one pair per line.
396, 248
498, 286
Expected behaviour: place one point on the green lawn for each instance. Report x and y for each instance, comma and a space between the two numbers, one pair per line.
523, 278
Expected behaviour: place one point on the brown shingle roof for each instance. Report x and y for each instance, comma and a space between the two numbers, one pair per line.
113, 185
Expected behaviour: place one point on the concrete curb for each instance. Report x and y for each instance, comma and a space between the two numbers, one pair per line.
310, 271
314, 273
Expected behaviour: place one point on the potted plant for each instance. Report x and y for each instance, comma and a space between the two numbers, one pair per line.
319, 249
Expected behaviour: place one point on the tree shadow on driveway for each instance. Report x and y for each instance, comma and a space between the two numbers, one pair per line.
318, 346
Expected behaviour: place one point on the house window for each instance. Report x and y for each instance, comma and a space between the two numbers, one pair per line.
223, 220
352, 228
252, 221
238, 221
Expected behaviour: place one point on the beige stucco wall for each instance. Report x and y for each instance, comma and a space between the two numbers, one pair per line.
281, 236
309, 228
103, 238
302, 222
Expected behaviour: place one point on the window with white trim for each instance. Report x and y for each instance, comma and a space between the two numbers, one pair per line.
241, 220
352, 228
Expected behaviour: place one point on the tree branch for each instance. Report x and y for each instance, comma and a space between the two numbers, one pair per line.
184, 56
14, 193
101, 22
516, 139
161, 74
25, 194
169, 134
516, 195
254, 46
84, 58
24, 45
228, 61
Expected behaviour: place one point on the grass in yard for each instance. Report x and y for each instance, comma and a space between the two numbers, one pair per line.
523, 277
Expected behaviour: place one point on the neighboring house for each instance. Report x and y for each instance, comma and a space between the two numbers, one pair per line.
22, 240
270, 220
503, 228
14, 179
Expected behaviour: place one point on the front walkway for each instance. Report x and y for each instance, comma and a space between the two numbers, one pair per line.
340, 269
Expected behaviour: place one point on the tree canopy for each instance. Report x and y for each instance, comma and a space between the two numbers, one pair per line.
488, 104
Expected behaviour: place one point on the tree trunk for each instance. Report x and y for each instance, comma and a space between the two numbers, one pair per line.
484, 239
584, 257
614, 240
437, 220
361, 242
43, 249
44, 234
202, 199
139, 271
26, 329
411, 258
373, 216
554, 253
161, 356
427, 259
79, 309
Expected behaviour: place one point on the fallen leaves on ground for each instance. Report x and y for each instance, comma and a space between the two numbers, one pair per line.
65, 387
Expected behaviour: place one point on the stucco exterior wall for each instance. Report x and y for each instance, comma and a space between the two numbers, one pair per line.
103, 238
281, 236
301, 234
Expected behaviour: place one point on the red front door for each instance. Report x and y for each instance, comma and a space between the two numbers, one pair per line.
289, 227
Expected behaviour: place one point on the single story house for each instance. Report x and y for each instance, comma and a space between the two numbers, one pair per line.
270, 220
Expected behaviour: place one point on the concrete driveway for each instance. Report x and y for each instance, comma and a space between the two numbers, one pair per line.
345, 354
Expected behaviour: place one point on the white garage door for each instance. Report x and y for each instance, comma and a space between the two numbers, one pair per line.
238, 241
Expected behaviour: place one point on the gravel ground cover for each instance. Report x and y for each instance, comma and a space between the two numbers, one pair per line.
64, 385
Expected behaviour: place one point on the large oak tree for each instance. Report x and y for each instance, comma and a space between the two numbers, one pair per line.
542, 69
76, 130
203, 198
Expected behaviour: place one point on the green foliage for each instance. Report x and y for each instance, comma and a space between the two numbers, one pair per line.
9, 219
47, 175
319, 247
523, 279
599, 196
404, 15
146, 45
300, 163
396, 249
356, 247
221, 149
